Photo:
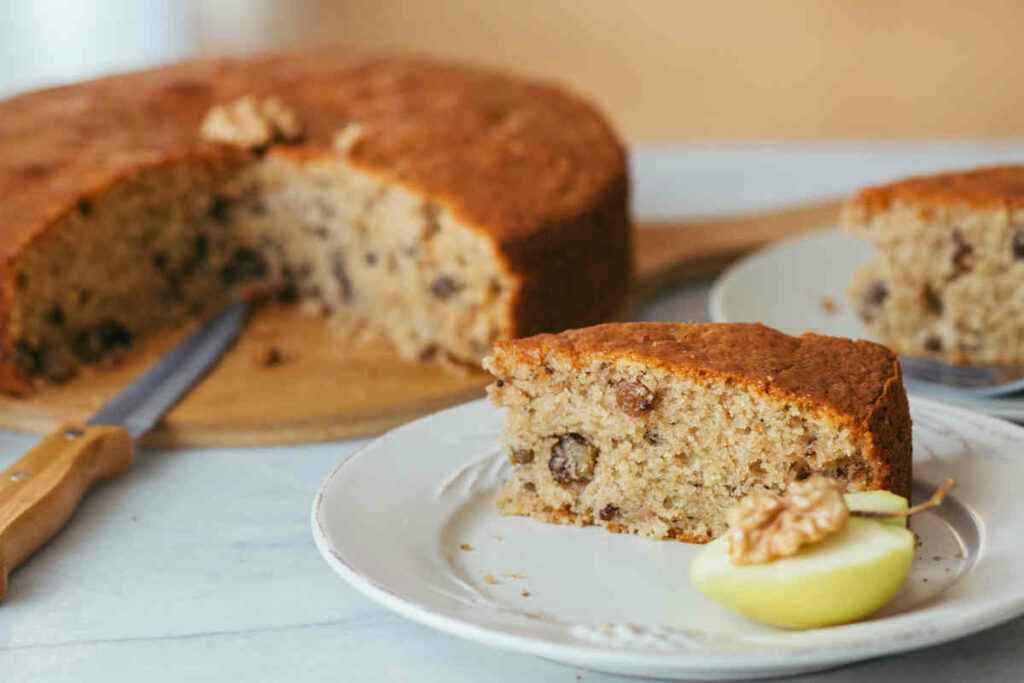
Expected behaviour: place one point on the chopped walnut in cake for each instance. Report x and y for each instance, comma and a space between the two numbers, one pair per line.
348, 137
251, 123
764, 526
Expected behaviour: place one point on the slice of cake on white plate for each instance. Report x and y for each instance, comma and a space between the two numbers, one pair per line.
948, 280
659, 428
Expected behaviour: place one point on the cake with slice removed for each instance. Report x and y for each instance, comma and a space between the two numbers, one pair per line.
658, 429
435, 205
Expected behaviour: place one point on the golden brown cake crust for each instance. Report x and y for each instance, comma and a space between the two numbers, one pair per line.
989, 187
497, 149
531, 166
858, 384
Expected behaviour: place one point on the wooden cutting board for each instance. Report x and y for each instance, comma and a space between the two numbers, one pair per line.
326, 388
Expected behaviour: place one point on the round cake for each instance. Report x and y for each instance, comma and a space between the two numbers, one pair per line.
441, 206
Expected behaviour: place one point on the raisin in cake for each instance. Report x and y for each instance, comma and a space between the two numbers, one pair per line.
948, 279
659, 428
439, 205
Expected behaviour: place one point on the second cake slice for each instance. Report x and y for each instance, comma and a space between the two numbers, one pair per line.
658, 428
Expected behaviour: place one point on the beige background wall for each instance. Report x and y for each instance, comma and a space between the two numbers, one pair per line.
700, 69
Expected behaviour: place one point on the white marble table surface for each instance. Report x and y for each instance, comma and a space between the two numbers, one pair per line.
199, 566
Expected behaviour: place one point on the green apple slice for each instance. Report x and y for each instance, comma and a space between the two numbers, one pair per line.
879, 501
845, 577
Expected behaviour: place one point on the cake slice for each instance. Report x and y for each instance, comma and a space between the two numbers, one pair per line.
659, 428
948, 281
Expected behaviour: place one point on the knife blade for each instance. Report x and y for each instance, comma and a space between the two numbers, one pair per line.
40, 492
140, 406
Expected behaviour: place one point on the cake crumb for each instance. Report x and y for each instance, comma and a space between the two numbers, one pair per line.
490, 580
525, 593
515, 576
465, 547
829, 305
113, 359
271, 357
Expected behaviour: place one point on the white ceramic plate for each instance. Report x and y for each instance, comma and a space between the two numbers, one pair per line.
410, 521
783, 286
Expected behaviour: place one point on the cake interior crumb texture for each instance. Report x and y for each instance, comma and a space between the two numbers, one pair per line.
948, 279
657, 429
375, 258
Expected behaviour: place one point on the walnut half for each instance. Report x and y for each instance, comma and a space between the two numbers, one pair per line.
764, 526
251, 124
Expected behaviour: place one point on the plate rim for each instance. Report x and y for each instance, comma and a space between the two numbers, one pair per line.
716, 293
603, 658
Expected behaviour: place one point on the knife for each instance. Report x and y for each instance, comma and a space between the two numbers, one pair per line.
39, 492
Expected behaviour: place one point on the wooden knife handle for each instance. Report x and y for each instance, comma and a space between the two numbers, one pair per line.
39, 492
